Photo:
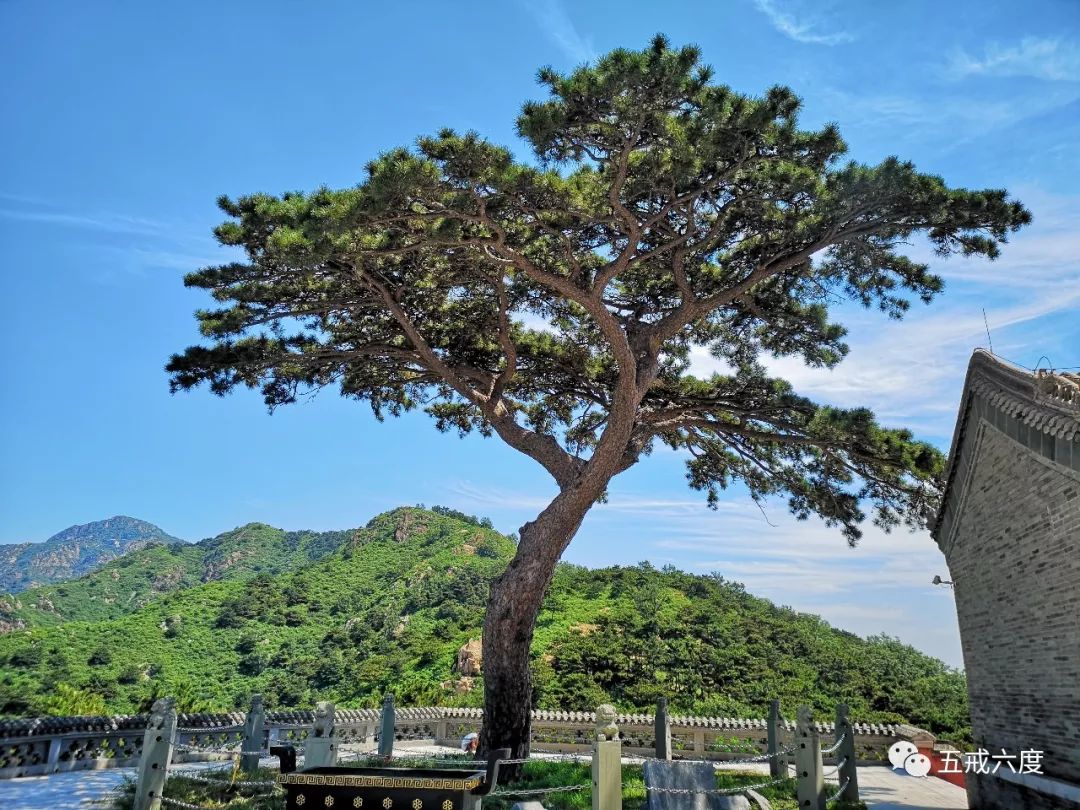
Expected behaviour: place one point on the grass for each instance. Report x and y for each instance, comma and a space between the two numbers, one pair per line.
535, 775
225, 797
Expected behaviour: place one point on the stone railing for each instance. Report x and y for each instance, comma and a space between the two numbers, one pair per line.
714, 738
44, 745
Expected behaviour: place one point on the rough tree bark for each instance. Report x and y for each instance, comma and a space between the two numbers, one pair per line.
516, 597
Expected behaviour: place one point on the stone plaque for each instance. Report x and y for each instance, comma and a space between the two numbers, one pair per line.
687, 776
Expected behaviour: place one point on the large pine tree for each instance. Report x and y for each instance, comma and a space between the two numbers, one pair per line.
554, 304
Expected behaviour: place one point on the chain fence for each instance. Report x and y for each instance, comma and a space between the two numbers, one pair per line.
185, 805
229, 749
719, 762
839, 793
212, 729
715, 791
541, 791
836, 745
207, 780
836, 769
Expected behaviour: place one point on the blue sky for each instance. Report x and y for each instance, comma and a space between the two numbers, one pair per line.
126, 120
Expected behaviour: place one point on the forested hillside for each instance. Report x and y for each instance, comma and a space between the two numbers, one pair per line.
126, 584
389, 606
74, 551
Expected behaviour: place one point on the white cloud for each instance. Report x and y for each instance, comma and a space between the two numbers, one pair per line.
1041, 58
910, 372
883, 585
500, 498
799, 29
557, 25
101, 221
955, 117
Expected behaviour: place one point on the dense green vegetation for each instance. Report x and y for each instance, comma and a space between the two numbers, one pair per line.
75, 551
390, 604
126, 584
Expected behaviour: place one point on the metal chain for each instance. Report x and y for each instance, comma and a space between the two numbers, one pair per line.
716, 791
760, 758
540, 791
836, 745
743, 761
837, 768
200, 749
211, 729
838, 793
184, 805
206, 780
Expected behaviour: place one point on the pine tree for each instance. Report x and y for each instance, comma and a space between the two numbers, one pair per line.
554, 304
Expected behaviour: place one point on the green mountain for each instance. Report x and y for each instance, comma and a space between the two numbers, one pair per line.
75, 551
395, 605
128, 583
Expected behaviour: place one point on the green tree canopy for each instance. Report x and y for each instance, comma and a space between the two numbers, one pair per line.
554, 303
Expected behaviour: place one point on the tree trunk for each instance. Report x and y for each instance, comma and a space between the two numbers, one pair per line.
516, 597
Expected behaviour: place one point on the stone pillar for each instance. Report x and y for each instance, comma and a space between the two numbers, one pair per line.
254, 728
845, 755
52, 762
662, 730
699, 743
386, 727
607, 762
808, 771
156, 754
320, 747
776, 767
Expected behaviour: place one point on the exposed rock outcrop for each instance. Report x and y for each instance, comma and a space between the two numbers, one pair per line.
470, 658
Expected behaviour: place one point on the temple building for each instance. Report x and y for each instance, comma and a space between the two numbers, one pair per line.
1009, 528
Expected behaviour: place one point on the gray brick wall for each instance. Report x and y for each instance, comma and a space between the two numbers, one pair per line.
1014, 555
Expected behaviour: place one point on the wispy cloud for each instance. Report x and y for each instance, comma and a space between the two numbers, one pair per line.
883, 585
100, 221
942, 116
490, 497
910, 372
1053, 59
23, 208
557, 26
799, 27
133, 245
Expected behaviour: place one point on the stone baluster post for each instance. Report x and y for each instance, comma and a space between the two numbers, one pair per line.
52, 761
662, 730
386, 727
320, 747
254, 728
606, 762
808, 770
441, 729
846, 754
157, 751
776, 766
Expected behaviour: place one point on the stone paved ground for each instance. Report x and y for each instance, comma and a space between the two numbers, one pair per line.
885, 789
78, 790
879, 786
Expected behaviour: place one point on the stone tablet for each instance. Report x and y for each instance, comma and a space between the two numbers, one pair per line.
687, 776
